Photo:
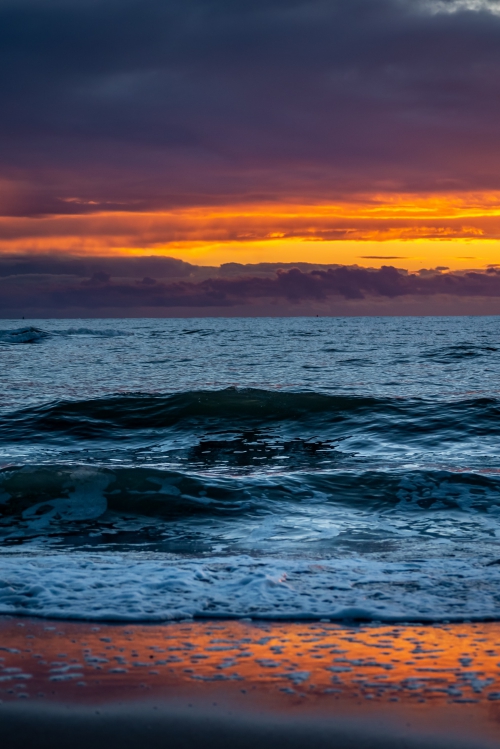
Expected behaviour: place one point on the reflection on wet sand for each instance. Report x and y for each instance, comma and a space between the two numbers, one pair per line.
322, 667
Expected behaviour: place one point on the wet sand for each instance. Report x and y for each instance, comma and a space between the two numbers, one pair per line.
235, 684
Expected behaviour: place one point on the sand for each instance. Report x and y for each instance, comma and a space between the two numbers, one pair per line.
241, 684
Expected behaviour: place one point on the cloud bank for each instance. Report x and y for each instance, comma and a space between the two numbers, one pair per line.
64, 286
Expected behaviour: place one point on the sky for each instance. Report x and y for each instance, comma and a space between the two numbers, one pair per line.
334, 132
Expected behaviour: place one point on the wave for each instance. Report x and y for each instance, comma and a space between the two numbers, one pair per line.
99, 332
110, 587
124, 416
459, 351
31, 334
28, 334
38, 499
137, 411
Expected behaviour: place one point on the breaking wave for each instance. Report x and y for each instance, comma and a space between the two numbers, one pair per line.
275, 469
39, 494
31, 334
23, 335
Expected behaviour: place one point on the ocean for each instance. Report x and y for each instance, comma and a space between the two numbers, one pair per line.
269, 468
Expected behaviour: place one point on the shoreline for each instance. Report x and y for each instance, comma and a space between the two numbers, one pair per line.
217, 683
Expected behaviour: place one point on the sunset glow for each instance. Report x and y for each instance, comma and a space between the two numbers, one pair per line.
280, 133
411, 231
250, 411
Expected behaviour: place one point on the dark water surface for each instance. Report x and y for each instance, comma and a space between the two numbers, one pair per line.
279, 468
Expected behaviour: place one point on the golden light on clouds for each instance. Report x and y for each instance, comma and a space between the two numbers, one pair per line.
410, 231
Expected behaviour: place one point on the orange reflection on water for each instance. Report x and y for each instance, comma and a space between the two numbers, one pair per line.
444, 663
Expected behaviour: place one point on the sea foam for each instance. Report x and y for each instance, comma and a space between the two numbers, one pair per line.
142, 587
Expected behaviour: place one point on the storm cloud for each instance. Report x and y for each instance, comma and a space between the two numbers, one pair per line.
137, 105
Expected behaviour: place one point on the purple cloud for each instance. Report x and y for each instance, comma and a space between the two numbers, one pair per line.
230, 286
145, 104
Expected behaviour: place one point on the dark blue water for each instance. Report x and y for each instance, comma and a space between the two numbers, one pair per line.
281, 468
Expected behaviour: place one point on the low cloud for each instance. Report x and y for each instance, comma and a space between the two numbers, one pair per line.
120, 283
86, 267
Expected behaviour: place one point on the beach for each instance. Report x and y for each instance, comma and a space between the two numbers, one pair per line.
250, 374
234, 683
285, 542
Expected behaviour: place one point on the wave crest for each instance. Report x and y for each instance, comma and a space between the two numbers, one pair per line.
28, 334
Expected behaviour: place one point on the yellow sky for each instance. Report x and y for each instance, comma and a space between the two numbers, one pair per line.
411, 254
408, 231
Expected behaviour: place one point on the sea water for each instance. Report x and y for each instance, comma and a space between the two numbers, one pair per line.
298, 468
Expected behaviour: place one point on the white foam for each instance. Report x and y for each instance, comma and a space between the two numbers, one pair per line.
85, 502
142, 587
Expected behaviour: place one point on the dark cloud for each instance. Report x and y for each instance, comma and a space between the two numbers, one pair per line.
231, 287
86, 267
152, 103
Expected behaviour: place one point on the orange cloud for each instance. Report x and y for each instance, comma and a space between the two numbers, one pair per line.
422, 230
